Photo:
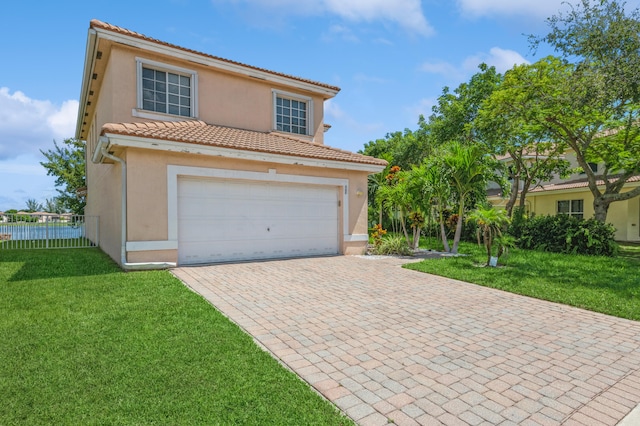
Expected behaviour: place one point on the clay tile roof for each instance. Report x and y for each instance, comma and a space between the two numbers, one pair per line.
201, 133
581, 183
97, 24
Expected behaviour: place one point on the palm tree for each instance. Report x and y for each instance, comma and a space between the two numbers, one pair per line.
33, 205
490, 224
375, 182
468, 171
435, 190
53, 205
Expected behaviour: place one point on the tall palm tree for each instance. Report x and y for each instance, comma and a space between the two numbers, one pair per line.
469, 172
33, 205
436, 192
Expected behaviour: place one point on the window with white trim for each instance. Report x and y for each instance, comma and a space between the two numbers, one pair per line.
166, 89
571, 208
292, 113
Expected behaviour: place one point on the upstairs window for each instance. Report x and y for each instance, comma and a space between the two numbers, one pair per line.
166, 89
292, 113
571, 208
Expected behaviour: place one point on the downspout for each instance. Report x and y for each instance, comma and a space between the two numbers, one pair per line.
103, 144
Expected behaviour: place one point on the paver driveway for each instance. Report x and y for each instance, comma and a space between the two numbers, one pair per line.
385, 343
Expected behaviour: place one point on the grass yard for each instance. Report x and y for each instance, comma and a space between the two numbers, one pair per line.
631, 252
84, 343
601, 284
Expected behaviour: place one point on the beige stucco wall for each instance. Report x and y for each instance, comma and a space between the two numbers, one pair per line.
105, 202
148, 204
223, 98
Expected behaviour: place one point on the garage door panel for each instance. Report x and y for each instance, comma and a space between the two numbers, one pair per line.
223, 220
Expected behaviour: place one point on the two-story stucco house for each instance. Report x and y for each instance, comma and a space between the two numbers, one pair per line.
571, 196
192, 158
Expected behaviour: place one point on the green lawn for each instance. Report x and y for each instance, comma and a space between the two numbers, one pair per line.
84, 343
601, 284
630, 251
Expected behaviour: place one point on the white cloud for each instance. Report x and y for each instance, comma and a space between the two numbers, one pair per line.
536, 8
441, 67
502, 59
23, 177
340, 32
333, 111
28, 125
528, 8
406, 13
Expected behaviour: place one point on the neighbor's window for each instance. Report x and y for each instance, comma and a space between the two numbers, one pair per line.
571, 208
166, 89
593, 167
292, 113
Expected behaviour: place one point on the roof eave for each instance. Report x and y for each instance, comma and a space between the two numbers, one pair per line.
217, 151
89, 61
194, 57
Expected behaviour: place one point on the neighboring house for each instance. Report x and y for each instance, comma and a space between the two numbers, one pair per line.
572, 196
194, 159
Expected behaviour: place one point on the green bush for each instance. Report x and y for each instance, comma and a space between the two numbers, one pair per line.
567, 234
518, 219
22, 218
393, 245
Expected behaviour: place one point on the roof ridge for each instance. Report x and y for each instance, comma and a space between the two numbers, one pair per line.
96, 23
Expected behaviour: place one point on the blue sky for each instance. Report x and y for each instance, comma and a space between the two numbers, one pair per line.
390, 57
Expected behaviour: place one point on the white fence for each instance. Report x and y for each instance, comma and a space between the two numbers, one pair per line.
43, 231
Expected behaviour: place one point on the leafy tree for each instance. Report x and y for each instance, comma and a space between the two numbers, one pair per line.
508, 123
33, 206
402, 149
67, 163
591, 100
454, 116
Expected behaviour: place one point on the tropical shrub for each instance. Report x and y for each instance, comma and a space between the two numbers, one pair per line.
393, 245
377, 232
568, 234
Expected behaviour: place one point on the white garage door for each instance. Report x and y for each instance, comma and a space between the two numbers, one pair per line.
227, 220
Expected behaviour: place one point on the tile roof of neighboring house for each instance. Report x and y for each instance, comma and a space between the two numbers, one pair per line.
95, 23
201, 133
581, 183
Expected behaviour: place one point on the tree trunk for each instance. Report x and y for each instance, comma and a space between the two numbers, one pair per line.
404, 230
487, 244
600, 208
416, 237
456, 236
513, 196
526, 184
443, 234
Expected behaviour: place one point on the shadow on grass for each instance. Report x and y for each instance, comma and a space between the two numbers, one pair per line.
630, 251
608, 285
28, 265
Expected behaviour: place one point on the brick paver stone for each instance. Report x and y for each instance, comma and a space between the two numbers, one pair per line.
385, 343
